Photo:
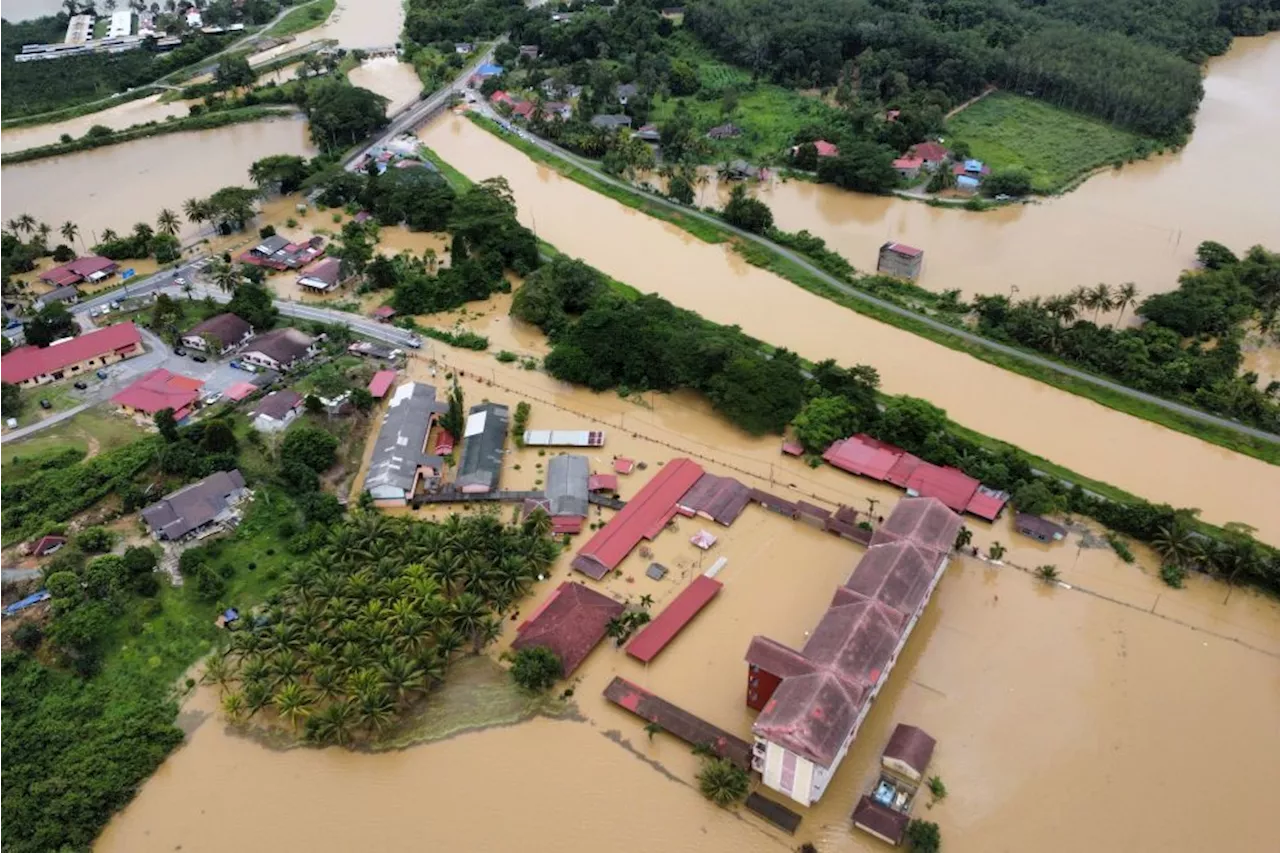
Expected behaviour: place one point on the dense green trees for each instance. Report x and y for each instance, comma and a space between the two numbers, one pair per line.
369, 623
747, 213
49, 324
536, 669
861, 166
1208, 307
341, 114
254, 303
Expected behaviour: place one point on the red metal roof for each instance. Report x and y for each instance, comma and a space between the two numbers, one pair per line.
161, 389
932, 151
826, 149
908, 163
602, 483
792, 448
384, 311
624, 465
380, 384
240, 390
29, 362
904, 249
77, 270
924, 522
566, 524
858, 455
47, 544
444, 443
950, 485
986, 503
671, 621
903, 469
570, 623
643, 517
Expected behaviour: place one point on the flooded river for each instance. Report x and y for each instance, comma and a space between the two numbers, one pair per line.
1148, 460
1046, 702
1140, 223
116, 186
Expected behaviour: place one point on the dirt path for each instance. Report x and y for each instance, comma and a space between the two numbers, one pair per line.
971, 101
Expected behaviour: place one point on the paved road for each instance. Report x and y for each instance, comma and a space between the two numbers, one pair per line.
416, 114
844, 287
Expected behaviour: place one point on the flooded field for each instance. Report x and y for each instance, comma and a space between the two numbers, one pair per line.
125, 115
1140, 223
119, 185
1145, 459
1045, 701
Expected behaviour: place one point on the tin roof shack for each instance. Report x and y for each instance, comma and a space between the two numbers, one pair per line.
567, 486
201, 507
900, 260
1038, 528
571, 622
400, 461
815, 700
486, 432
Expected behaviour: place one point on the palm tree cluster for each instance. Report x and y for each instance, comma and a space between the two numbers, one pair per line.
370, 623
723, 782
1236, 559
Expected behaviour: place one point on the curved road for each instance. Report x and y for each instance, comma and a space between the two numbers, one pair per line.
844, 287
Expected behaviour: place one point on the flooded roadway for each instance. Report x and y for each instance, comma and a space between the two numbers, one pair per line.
1147, 460
1046, 702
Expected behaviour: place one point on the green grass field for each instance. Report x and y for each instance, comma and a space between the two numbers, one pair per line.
303, 18
1056, 146
97, 429
768, 115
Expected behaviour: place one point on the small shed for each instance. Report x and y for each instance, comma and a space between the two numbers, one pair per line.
602, 483
792, 448
908, 752
901, 260
881, 821
623, 465
380, 384
383, 314
48, 545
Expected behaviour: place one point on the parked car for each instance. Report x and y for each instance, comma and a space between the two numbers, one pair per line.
82, 385
179, 351
102, 374
115, 306
245, 366
200, 358
180, 281
213, 398
414, 342
45, 404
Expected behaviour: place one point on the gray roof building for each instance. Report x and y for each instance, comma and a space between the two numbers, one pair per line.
567, 484
400, 454
280, 348
194, 507
66, 293
610, 122
485, 433
229, 329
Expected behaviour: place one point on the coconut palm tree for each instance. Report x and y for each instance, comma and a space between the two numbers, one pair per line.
1062, 309
335, 723
143, 231
108, 235
964, 536
402, 679
1126, 297
42, 234
234, 706
69, 231
292, 703
995, 551
25, 223
489, 630
1047, 573
216, 671
723, 782
225, 276
168, 223
1100, 300
1175, 543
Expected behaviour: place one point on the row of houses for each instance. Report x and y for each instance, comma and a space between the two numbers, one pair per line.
929, 157
28, 366
278, 349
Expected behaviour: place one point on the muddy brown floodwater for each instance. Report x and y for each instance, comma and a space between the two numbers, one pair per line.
1071, 719
1148, 460
1141, 223
116, 186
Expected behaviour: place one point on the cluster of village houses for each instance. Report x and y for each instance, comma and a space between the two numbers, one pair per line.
126, 30
929, 157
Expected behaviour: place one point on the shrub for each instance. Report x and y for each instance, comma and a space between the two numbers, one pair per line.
936, 788
1173, 575
95, 540
506, 356
28, 636
723, 782
536, 668
923, 837
1120, 547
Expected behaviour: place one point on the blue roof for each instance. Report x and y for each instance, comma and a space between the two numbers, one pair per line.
966, 182
230, 614
34, 598
489, 69
973, 165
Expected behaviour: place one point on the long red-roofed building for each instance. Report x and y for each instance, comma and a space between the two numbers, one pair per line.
90, 268
655, 636
643, 517
813, 701
571, 622
27, 365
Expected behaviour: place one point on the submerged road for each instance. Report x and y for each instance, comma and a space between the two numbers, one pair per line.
847, 289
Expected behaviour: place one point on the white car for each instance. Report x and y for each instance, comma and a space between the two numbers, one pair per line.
212, 398
414, 342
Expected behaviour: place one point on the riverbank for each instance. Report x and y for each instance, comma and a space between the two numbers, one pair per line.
204, 121
762, 253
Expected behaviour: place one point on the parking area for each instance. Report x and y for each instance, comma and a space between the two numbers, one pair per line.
217, 375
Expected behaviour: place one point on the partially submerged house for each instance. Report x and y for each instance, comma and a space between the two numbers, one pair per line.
323, 276
813, 701
65, 295
400, 465
219, 335
563, 438
900, 260
1041, 529
567, 491
571, 622
279, 253
485, 434
211, 503
886, 811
